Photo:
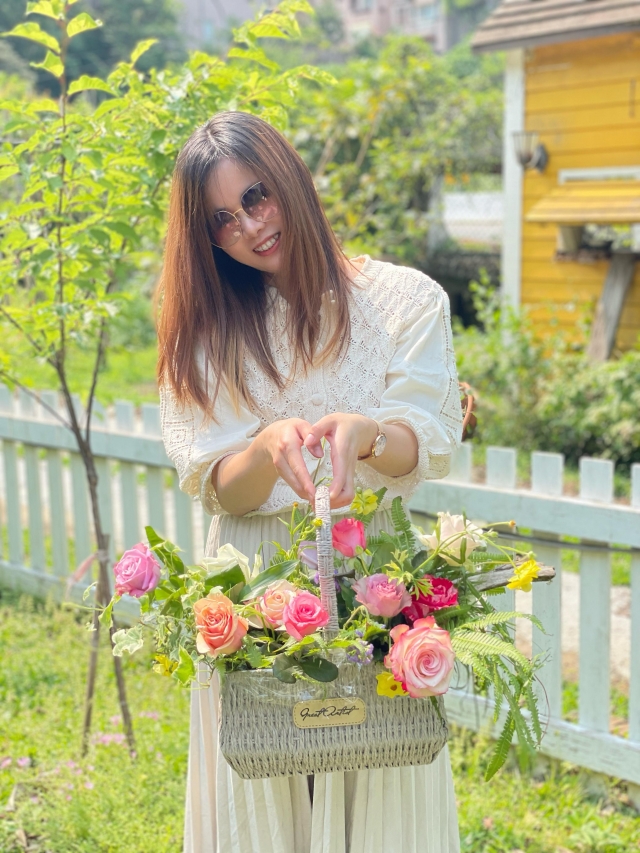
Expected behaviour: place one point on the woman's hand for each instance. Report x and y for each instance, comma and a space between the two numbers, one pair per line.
350, 436
282, 442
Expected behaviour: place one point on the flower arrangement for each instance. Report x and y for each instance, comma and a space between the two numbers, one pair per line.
407, 601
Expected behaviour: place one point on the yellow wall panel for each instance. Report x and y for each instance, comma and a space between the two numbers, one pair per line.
583, 98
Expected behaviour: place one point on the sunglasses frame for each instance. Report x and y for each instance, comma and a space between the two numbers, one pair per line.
241, 208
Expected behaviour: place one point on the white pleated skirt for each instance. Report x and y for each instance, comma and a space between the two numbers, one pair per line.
391, 810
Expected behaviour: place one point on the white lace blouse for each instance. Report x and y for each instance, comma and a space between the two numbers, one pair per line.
399, 367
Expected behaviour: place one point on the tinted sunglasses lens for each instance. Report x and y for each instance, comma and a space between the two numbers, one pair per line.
225, 229
257, 204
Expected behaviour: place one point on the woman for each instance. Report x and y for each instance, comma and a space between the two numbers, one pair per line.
270, 342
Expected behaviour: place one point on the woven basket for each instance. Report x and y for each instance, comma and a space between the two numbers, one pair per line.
268, 728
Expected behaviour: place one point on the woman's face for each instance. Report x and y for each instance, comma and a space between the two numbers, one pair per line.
259, 245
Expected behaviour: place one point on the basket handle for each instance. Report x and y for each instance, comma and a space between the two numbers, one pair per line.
325, 561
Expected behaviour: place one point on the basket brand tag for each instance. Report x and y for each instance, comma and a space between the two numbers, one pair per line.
317, 713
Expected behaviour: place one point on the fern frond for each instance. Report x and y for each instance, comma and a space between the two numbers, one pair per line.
476, 643
501, 750
499, 617
532, 706
402, 526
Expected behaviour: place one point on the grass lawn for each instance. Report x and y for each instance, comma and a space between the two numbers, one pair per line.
53, 801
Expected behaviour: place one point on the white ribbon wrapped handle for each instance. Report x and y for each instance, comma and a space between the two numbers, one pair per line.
326, 574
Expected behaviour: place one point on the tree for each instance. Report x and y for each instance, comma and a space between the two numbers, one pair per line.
88, 195
98, 50
381, 142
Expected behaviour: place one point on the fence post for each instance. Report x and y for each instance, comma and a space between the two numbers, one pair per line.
596, 484
128, 480
547, 479
501, 474
155, 476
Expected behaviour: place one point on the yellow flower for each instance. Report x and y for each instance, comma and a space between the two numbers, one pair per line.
365, 502
523, 575
388, 686
164, 665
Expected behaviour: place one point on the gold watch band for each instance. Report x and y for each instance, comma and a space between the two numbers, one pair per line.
373, 443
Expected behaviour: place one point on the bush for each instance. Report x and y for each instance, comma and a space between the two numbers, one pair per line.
538, 393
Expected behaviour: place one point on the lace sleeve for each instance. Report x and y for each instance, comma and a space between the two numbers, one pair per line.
196, 444
422, 390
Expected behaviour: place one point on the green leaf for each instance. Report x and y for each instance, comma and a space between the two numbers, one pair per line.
274, 573
140, 48
226, 579
501, 751
85, 82
186, 669
282, 666
320, 669
33, 32
48, 8
254, 655
381, 555
128, 640
122, 228
81, 23
105, 617
52, 64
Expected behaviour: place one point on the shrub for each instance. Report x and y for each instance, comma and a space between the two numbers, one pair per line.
538, 393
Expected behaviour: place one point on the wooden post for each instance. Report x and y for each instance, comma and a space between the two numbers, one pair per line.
609, 308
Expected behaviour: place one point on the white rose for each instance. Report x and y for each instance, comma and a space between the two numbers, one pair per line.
451, 531
226, 558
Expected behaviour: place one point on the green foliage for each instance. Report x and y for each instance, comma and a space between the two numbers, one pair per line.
539, 393
79, 241
380, 142
99, 49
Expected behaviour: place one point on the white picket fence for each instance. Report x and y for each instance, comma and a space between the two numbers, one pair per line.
45, 521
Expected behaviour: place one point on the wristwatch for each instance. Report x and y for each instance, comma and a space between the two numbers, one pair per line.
378, 446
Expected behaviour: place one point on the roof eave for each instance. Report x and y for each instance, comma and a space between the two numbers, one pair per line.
553, 38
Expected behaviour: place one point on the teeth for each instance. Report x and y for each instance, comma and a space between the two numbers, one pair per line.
267, 245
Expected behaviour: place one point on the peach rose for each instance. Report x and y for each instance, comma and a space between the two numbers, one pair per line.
382, 595
272, 602
421, 658
220, 629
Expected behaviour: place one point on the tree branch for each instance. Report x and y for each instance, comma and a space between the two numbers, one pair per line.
23, 331
31, 393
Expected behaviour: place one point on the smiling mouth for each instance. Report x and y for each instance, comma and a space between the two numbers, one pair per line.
268, 246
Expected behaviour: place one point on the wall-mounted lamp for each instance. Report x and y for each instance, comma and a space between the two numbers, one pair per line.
530, 152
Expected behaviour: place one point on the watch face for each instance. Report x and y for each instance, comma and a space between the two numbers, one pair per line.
379, 445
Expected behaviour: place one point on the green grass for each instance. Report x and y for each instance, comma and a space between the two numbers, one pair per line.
108, 803
129, 374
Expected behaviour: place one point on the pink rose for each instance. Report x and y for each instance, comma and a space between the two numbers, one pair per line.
421, 658
137, 571
347, 535
443, 594
382, 595
308, 554
220, 629
303, 615
272, 602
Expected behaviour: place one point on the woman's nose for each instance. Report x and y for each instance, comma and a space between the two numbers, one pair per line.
250, 227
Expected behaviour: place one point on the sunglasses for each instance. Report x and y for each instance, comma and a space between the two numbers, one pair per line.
256, 203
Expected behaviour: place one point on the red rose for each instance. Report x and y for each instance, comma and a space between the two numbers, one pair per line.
443, 594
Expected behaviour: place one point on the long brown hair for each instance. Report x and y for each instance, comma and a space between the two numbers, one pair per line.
210, 301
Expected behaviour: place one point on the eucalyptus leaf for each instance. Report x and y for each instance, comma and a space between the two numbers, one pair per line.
318, 668
282, 666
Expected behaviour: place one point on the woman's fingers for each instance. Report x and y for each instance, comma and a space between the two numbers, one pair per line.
316, 433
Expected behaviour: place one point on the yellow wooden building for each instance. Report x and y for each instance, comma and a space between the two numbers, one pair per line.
572, 97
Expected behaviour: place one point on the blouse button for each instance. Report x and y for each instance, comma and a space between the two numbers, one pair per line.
317, 399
